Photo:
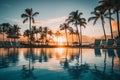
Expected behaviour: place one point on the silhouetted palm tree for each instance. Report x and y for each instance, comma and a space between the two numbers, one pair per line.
29, 15
5, 28
15, 32
27, 34
108, 6
50, 32
57, 34
116, 8
45, 34
99, 13
75, 18
82, 22
65, 26
71, 31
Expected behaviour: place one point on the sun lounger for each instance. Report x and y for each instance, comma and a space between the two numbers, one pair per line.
97, 43
110, 43
7, 44
103, 43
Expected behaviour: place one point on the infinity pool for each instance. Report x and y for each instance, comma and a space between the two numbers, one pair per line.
59, 64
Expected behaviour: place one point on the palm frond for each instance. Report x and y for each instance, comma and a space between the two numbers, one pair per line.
73, 13
91, 18
70, 21
80, 14
95, 21
28, 11
36, 13
25, 20
24, 15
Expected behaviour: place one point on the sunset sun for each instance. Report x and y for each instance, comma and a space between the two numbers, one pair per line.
61, 40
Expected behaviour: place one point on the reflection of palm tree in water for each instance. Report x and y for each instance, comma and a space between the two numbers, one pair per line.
43, 56
27, 73
111, 54
118, 53
3, 60
104, 64
66, 63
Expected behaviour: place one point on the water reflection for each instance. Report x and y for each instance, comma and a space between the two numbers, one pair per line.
77, 62
97, 52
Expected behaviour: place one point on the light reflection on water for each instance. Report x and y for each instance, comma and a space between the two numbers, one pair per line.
58, 59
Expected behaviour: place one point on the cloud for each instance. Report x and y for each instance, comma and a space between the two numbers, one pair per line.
55, 20
16, 21
51, 23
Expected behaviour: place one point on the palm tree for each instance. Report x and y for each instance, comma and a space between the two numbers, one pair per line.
40, 31
71, 31
29, 15
45, 34
16, 32
108, 6
50, 32
82, 22
35, 31
57, 34
5, 28
116, 8
99, 13
27, 34
75, 18
65, 26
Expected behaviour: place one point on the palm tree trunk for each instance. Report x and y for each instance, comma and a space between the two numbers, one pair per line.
117, 12
104, 30
30, 30
104, 69
110, 24
3, 37
66, 36
72, 37
30, 41
81, 43
78, 34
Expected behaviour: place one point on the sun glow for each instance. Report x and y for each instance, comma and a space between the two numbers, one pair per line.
60, 40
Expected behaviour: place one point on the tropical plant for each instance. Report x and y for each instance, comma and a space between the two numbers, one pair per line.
65, 26
4, 28
116, 8
99, 14
71, 32
57, 34
75, 18
27, 34
29, 15
108, 6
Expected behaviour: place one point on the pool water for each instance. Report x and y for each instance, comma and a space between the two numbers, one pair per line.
59, 64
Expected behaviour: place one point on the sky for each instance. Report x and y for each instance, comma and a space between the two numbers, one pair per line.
52, 13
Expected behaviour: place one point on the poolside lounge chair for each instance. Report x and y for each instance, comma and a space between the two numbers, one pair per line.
16, 44
110, 43
97, 43
103, 43
7, 44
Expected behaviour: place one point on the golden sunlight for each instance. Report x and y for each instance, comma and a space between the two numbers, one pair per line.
60, 40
